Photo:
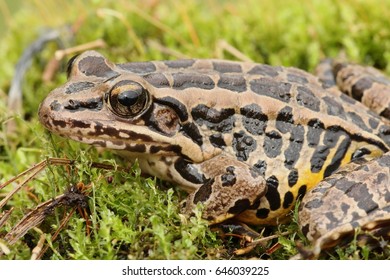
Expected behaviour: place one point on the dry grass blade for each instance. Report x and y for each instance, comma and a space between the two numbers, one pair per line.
73, 197
165, 50
64, 222
4, 216
40, 165
130, 31
4, 248
157, 23
38, 249
257, 242
222, 46
99, 43
34, 171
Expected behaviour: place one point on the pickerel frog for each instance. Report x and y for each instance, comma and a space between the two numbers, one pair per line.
246, 140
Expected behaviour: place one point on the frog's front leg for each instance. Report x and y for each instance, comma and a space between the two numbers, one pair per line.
231, 187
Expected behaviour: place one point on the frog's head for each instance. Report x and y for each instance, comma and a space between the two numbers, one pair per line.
130, 107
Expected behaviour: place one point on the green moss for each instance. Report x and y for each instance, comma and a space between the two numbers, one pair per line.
135, 217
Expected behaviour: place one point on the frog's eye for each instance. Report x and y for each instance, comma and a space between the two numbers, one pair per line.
128, 98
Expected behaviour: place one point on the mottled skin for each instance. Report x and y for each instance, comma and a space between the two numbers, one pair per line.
244, 139
357, 196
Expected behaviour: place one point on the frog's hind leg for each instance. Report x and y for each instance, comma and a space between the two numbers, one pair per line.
324, 72
365, 84
355, 197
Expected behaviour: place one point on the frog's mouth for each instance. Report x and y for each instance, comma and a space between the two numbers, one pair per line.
130, 146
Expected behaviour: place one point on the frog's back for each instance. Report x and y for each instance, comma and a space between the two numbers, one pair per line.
281, 121
232, 85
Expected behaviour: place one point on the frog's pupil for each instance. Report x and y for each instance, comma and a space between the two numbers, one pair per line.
128, 98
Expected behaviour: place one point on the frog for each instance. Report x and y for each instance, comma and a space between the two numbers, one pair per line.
246, 140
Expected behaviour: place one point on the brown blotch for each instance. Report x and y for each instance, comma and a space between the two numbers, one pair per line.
219, 120
306, 98
266, 70
243, 145
204, 192
162, 119
305, 229
239, 206
272, 144
74, 105
359, 87
337, 67
182, 63
138, 148
59, 123
334, 108
234, 83
273, 195
292, 178
79, 86
313, 204
373, 122
297, 79
229, 178
271, 88
385, 113
189, 80
254, 121
55, 106
95, 66
139, 67
217, 140
191, 131
361, 194
262, 213
157, 79
288, 199
227, 67
301, 192
167, 120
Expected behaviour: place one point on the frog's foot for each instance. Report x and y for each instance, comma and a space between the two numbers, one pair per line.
232, 188
354, 200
